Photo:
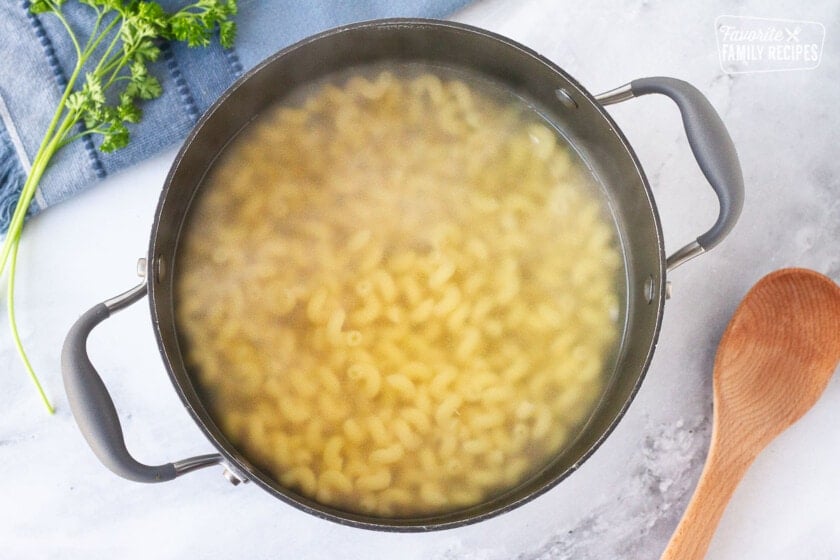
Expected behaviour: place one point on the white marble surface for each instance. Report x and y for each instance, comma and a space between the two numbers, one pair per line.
56, 501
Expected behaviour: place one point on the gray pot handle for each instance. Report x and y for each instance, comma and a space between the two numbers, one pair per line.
94, 410
712, 147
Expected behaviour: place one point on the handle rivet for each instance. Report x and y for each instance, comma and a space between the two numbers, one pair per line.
160, 269
141, 267
649, 290
566, 98
668, 289
232, 477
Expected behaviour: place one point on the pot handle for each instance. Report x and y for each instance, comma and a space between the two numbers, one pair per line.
94, 410
712, 147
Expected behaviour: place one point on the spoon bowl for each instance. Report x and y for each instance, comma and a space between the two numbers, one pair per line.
774, 361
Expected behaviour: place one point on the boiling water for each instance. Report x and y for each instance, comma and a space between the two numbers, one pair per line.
399, 291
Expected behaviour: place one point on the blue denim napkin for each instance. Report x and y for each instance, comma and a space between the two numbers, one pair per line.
36, 57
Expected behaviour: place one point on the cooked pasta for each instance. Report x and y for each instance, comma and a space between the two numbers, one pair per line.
399, 293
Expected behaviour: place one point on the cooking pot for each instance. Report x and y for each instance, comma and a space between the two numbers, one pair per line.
583, 120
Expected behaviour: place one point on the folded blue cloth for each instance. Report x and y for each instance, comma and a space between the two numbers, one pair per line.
36, 57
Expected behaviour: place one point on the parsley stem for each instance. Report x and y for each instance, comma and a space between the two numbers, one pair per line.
13, 325
12, 241
96, 39
86, 132
39, 165
120, 63
66, 25
95, 29
111, 45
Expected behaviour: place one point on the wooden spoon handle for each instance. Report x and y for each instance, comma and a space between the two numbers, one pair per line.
718, 481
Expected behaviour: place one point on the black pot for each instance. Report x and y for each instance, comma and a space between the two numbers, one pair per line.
594, 134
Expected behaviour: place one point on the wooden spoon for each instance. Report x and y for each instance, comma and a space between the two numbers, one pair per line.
773, 363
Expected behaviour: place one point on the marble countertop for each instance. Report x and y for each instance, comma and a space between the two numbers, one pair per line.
57, 501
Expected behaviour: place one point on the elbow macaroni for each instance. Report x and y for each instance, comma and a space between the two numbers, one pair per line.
400, 296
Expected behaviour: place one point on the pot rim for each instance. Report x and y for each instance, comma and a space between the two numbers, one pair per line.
459, 517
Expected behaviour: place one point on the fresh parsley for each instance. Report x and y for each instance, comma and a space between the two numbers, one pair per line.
109, 79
